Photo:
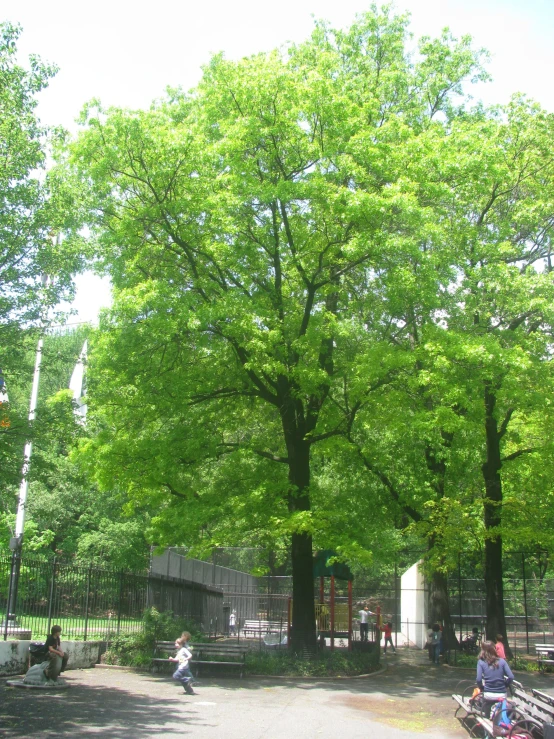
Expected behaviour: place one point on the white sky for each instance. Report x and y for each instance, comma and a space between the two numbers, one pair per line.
126, 53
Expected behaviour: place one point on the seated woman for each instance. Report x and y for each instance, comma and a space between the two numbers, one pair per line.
469, 644
493, 674
57, 657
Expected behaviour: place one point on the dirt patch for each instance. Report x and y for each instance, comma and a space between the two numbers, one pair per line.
409, 714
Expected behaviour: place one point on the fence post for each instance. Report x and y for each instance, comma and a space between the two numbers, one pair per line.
6, 616
460, 593
51, 598
396, 619
525, 601
119, 601
86, 601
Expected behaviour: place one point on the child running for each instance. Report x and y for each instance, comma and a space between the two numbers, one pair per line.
183, 673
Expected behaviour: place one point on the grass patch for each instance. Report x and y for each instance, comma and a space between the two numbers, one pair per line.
335, 664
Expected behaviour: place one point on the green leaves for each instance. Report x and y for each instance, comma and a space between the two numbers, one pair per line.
319, 261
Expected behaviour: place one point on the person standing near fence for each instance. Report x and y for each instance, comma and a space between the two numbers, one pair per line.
183, 673
386, 629
233, 623
436, 643
363, 616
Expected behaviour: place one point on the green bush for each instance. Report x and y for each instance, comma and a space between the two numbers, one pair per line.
516, 663
329, 664
525, 664
136, 650
166, 626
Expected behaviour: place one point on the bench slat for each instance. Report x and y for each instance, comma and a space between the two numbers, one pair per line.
485, 723
465, 704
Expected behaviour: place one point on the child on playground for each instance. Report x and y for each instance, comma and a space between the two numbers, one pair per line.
183, 673
386, 629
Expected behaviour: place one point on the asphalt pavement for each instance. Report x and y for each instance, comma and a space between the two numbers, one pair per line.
409, 698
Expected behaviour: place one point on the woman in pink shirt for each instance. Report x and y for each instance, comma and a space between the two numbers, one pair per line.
499, 646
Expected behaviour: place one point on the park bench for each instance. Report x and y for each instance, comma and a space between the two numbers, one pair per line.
259, 628
543, 696
545, 655
534, 707
215, 654
533, 715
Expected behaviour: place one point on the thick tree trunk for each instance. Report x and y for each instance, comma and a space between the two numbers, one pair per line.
303, 630
439, 605
439, 609
494, 586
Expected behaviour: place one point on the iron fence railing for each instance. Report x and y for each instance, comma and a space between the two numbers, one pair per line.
95, 603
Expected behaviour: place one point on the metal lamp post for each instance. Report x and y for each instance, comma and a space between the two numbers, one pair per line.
16, 541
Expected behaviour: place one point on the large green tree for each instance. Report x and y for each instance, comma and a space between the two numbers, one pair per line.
481, 373
248, 229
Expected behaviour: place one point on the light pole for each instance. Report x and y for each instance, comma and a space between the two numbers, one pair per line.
16, 542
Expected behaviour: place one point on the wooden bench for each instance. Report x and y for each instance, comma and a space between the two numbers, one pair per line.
463, 703
258, 628
532, 706
484, 723
530, 714
215, 654
545, 655
543, 696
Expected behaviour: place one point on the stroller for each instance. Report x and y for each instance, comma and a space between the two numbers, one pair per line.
38, 653
472, 643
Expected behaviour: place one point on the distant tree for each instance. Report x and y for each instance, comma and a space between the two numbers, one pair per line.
66, 513
30, 218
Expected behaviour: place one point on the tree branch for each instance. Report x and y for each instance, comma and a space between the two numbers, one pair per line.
517, 454
505, 422
177, 493
259, 452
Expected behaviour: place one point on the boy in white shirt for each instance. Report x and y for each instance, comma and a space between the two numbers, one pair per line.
183, 673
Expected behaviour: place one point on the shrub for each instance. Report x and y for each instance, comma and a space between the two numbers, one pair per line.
329, 664
136, 650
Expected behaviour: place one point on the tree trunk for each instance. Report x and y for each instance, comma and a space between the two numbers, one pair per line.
439, 609
303, 631
303, 628
439, 604
494, 586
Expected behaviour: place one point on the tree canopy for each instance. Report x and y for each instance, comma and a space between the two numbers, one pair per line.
35, 266
324, 263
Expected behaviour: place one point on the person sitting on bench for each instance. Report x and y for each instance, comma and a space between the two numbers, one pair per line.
493, 675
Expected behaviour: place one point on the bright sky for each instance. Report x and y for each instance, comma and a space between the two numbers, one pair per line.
126, 53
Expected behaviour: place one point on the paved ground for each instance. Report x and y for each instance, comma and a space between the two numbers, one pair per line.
411, 698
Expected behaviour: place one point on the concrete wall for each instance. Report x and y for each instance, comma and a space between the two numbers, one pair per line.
14, 655
413, 606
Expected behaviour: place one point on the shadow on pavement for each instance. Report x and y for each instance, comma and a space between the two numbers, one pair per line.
410, 694
110, 711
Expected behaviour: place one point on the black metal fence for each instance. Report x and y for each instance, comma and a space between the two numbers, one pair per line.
92, 603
